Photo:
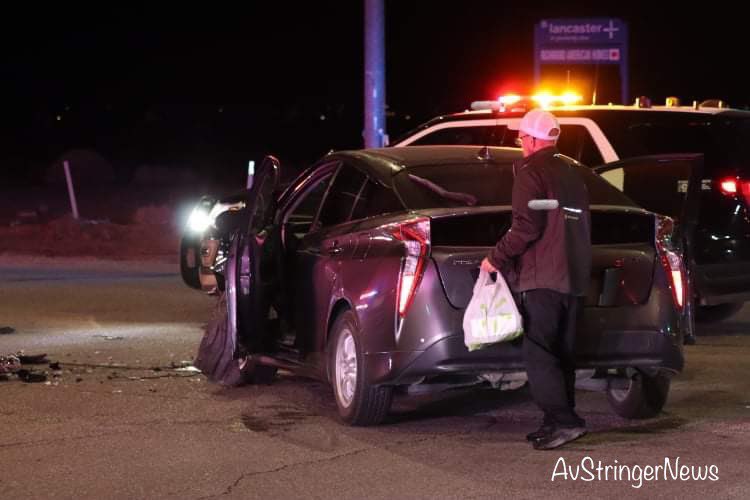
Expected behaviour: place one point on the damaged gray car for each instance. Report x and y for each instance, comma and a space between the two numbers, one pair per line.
359, 272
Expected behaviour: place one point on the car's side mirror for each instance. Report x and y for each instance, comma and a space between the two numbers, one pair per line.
544, 204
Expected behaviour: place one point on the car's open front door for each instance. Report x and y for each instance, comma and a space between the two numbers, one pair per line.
250, 276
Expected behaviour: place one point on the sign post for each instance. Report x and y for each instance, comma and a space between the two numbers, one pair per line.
71, 191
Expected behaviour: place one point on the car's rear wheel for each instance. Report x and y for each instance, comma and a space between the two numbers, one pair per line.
719, 312
216, 354
358, 402
644, 396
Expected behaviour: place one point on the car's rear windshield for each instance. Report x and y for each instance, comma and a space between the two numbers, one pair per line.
724, 139
484, 184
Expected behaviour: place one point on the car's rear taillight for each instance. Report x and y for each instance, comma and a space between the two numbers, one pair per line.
415, 235
671, 260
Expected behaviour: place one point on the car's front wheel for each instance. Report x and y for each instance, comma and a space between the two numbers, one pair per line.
358, 402
644, 397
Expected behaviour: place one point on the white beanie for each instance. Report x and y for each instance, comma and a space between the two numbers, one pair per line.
540, 124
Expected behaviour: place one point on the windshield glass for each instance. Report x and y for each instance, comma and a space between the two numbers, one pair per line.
489, 183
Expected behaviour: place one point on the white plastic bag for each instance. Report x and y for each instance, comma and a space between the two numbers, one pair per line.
492, 315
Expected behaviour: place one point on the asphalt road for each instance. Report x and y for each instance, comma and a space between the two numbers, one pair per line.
124, 419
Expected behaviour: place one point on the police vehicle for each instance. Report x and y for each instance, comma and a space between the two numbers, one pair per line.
625, 144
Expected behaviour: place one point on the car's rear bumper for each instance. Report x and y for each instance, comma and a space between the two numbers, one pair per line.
431, 342
449, 356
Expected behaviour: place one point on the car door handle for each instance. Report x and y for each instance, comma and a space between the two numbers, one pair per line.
333, 248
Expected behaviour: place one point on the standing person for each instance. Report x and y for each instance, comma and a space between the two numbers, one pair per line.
548, 258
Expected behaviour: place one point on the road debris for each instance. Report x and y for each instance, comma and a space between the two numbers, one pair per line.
9, 364
33, 359
181, 364
12, 364
31, 377
12, 367
6, 330
190, 369
110, 337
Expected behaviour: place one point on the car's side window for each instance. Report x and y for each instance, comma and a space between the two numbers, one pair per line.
344, 191
505, 137
657, 186
590, 155
569, 142
300, 219
375, 199
576, 142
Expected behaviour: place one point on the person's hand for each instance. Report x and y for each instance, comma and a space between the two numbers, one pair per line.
487, 266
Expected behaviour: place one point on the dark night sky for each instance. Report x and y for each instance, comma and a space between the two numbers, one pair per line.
144, 85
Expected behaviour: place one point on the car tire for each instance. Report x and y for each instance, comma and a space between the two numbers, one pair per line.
644, 397
216, 355
359, 403
190, 260
719, 312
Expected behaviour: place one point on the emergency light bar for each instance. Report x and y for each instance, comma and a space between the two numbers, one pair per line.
513, 102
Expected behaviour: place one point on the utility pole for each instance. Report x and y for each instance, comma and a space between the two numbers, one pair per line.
375, 134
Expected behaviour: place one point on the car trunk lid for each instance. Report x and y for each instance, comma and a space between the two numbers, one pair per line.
623, 253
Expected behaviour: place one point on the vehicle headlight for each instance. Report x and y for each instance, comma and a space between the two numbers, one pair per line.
199, 219
206, 213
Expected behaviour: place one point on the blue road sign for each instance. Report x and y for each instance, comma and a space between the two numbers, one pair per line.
582, 41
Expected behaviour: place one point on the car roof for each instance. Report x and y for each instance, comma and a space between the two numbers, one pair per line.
581, 110
385, 162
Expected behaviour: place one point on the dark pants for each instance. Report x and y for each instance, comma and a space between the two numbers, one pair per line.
550, 320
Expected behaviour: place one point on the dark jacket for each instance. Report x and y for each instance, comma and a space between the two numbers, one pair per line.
547, 248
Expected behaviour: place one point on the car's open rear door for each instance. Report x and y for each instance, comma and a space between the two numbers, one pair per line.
667, 185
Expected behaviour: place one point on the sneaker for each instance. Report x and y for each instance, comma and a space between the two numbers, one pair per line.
540, 432
559, 437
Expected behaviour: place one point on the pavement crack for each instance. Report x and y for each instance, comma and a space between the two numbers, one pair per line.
246, 475
402, 442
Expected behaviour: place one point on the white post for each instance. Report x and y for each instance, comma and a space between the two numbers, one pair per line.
71, 192
250, 173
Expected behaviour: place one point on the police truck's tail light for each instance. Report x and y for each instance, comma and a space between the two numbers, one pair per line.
671, 260
745, 188
732, 186
415, 236
728, 186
